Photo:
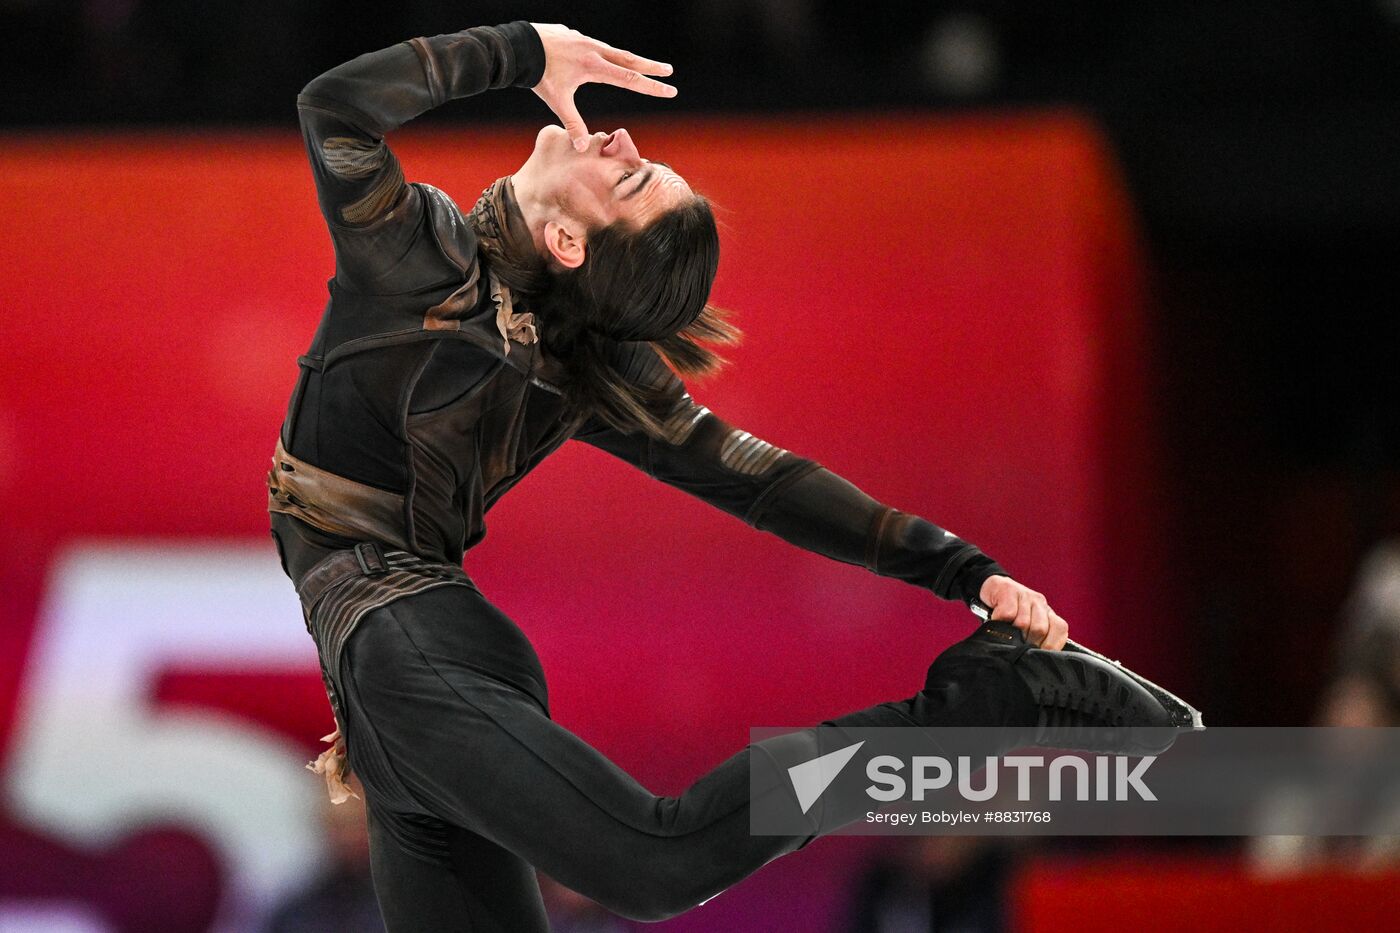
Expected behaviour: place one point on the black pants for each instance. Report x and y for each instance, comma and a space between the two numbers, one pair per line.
470, 785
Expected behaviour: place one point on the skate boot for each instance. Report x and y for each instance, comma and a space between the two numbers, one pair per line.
1077, 699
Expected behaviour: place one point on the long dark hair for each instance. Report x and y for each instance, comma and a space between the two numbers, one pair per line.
651, 285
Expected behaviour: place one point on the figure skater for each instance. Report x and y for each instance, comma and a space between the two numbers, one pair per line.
457, 351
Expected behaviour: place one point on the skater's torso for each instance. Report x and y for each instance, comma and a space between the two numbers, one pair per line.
420, 403
424, 395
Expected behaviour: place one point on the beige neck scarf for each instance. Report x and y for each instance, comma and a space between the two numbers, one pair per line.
505, 240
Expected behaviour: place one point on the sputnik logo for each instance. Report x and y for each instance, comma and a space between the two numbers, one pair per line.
811, 778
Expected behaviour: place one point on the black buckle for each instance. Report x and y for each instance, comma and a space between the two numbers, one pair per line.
371, 559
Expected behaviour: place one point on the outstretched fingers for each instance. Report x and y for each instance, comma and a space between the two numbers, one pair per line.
646, 66
632, 79
573, 59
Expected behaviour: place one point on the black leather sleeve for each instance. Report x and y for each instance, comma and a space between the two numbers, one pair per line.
793, 497
346, 112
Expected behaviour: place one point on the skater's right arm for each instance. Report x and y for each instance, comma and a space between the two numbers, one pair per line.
345, 113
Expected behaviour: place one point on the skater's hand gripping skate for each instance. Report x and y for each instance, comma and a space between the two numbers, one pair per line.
1026, 609
572, 59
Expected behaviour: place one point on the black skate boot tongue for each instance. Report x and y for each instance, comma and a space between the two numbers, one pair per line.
974, 683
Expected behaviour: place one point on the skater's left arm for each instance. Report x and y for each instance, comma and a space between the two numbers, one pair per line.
801, 501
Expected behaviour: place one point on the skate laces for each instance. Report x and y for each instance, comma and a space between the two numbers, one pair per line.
1076, 701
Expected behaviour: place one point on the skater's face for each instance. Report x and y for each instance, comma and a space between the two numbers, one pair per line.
654, 240
607, 182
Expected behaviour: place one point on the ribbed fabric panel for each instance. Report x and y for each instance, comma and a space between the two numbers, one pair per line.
345, 603
746, 454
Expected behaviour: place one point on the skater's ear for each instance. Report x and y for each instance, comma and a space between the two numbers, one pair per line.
567, 242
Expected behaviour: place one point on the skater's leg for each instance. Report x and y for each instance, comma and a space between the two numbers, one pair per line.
483, 754
480, 888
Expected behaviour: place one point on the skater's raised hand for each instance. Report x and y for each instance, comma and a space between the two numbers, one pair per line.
572, 59
1026, 609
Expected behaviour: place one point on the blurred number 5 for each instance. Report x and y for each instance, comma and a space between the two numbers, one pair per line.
92, 759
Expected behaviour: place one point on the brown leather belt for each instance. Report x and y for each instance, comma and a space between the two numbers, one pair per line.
365, 559
333, 503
